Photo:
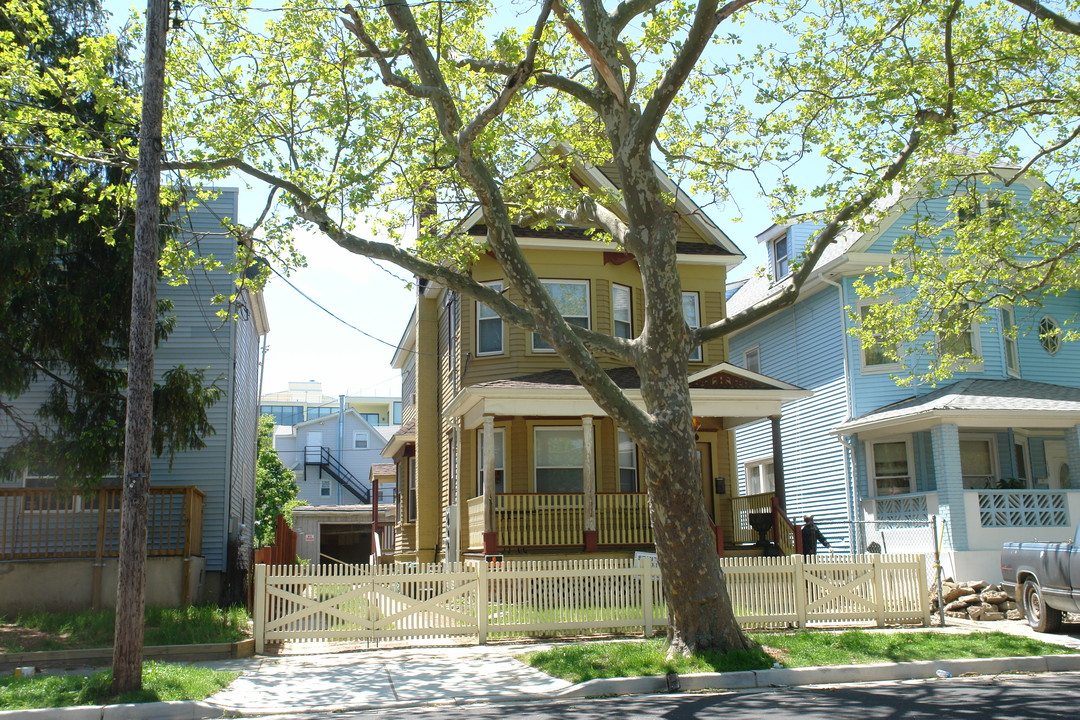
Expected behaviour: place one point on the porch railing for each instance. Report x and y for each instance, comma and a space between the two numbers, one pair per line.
474, 521
41, 523
540, 519
623, 519
741, 507
1023, 508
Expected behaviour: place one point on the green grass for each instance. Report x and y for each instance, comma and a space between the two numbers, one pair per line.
588, 661
160, 682
94, 628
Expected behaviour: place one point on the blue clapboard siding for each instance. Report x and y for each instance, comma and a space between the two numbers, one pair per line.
802, 345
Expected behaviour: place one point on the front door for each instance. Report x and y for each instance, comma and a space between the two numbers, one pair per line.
704, 450
1059, 474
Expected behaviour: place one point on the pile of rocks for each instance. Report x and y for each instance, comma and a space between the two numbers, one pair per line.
975, 601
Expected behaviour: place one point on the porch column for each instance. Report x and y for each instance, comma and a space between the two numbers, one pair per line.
490, 543
1072, 455
778, 464
945, 440
588, 482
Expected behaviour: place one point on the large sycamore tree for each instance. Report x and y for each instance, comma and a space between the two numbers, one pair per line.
367, 112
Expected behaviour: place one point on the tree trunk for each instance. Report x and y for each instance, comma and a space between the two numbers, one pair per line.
131, 580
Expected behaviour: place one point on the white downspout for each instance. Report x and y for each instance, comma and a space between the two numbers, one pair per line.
849, 449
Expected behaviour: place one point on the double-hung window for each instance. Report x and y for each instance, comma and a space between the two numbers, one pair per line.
559, 459
489, 326
628, 465
781, 256
892, 463
1008, 339
966, 341
876, 357
976, 462
621, 317
752, 358
692, 314
760, 477
360, 441
572, 299
500, 462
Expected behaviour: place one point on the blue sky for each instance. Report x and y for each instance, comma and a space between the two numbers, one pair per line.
306, 343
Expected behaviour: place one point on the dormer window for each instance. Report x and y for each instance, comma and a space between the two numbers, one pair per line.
780, 251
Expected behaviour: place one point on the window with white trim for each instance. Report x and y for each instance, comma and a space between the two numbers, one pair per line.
324, 488
752, 358
691, 306
876, 357
360, 441
1008, 339
1020, 453
760, 477
891, 464
621, 315
559, 459
1049, 335
572, 299
500, 461
628, 464
977, 461
489, 326
963, 343
780, 252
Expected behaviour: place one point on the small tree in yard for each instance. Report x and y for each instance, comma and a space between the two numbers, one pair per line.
275, 486
831, 106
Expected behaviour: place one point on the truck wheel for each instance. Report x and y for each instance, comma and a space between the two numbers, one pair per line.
1040, 616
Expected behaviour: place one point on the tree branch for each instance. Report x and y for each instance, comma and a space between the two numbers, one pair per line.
1060, 22
822, 240
706, 20
540, 77
627, 10
611, 79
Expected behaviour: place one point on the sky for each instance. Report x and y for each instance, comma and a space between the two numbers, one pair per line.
308, 342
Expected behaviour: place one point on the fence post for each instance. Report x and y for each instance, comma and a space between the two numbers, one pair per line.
646, 594
260, 608
879, 592
482, 611
802, 604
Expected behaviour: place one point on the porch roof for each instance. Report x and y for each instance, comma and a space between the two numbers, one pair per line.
406, 434
977, 403
722, 391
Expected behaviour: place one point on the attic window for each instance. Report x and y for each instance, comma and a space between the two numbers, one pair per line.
780, 250
1049, 335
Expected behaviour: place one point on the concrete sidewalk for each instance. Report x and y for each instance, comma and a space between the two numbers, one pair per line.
404, 677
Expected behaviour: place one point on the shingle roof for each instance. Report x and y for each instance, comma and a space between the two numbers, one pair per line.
984, 395
383, 468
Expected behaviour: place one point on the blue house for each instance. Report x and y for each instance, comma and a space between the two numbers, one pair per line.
994, 454
58, 545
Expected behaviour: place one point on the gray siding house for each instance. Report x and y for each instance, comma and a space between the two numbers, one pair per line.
202, 504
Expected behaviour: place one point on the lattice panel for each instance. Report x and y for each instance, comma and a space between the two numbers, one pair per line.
1023, 509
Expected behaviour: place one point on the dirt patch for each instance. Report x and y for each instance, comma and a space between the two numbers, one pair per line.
16, 638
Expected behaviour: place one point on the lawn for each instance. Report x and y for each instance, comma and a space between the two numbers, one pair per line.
161, 682
94, 628
588, 661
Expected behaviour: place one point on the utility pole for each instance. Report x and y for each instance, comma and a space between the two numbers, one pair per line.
131, 581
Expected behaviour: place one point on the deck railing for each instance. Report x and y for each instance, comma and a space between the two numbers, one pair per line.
741, 507
474, 521
40, 523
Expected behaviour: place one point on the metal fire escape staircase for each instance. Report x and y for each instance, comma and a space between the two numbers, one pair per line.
321, 456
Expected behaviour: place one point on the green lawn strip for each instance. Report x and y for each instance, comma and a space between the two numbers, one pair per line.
161, 682
94, 628
588, 661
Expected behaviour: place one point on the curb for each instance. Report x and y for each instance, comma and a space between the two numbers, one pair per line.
743, 680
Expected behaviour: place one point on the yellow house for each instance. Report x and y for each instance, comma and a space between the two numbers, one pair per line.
482, 398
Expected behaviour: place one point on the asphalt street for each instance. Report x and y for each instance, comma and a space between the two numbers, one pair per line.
1005, 697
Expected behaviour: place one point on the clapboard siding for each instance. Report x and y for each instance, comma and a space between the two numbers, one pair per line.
358, 461
802, 345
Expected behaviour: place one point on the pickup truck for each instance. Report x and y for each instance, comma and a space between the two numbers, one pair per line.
1043, 578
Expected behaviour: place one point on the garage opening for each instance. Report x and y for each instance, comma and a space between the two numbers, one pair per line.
346, 542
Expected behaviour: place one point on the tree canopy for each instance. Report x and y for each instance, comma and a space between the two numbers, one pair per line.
275, 485
66, 233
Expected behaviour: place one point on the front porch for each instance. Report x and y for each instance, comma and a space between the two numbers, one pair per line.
531, 522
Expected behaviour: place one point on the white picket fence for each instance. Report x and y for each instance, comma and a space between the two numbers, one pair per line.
361, 603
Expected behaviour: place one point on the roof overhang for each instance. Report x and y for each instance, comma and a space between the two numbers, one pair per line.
981, 419
396, 443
